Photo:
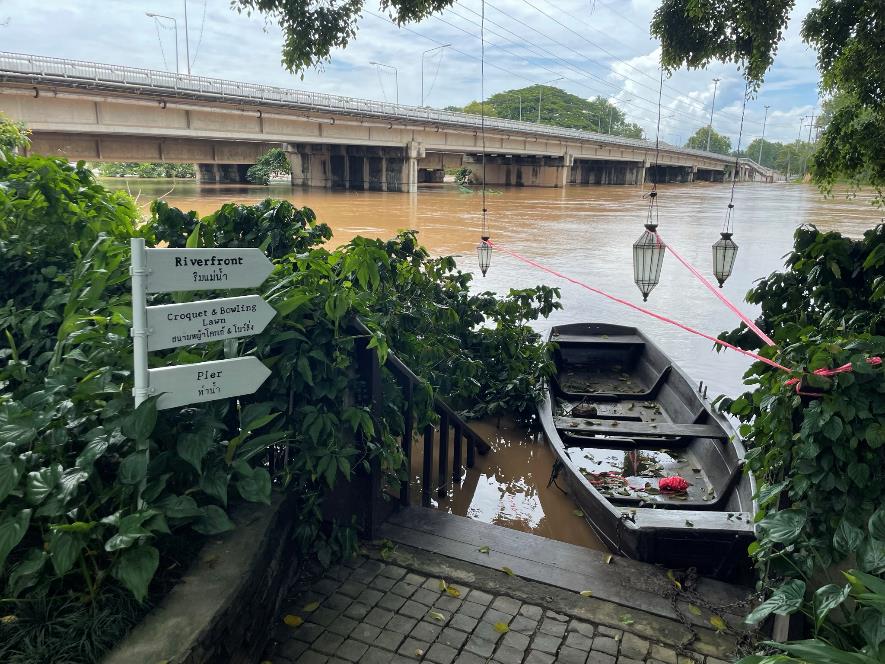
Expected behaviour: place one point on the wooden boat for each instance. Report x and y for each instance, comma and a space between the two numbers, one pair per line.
620, 416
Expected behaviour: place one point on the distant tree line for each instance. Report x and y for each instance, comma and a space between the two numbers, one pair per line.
120, 169
789, 158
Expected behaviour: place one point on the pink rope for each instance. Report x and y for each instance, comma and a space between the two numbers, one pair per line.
718, 293
643, 310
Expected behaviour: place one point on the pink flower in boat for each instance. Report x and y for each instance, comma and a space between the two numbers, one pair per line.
675, 483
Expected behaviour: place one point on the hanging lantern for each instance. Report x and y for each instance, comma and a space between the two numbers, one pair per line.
724, 252
484, 251
648, 257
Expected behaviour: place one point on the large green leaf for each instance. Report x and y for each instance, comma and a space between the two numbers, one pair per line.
10, 473
192, 447
872, 625
876, 524
27, 572
255, 487
133, 469
180, 507
140, 424
819, 652
135, 569
768, 492
847, 538
40, 483
785, 600
213, 521
872, 556
12, 530
214, 483
63, 550
827, 598
784, 526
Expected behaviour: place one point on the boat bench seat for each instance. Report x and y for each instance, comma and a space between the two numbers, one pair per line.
631, 429
598, 339
645, 517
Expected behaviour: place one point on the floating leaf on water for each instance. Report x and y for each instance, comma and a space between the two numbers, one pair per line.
673, 579
688, 523
293, 621
507, 571
694, 609
453, 591
578, 513
310, 607
484, 549
436, 615
501, 628
718, 623
586, 593
627, 619
608, 559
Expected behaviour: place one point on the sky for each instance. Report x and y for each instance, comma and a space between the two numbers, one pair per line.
595, 47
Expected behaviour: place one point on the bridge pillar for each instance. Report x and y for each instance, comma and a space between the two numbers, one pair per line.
296, 168
222, 173
414, 152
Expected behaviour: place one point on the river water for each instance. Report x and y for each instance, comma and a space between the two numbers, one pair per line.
585, 232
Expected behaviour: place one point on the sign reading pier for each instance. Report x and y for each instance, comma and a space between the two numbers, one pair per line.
207, 381
205, 269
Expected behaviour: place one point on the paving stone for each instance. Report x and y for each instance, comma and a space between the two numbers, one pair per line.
506, 605
414, 579
440, 653
413, 609
431, 583
379, 617
425, 596
384, 583
404, 589
393, 572
351, 650
376, 656
391, 602
327, 643
472, 609
372, 566
401, 624
448, 603
480, 646
362, 575
463, 622
313, 657
357, 611
410, 646
389, 640
366, 633
524, 625
579, 641
546, 643
713, 660
605, 644
508, 655
596, 657
369, 596
337, 602
538, 657
556, 616
634, 647
581, 628
531, 611
487, 631
353, 562
452, 637
516, 641
571, 656
479, 597
651, 661
552, 627
351, 589
325, 586
628, 660
336, 660
323, 616
292, 649
338, 572
609, 631
685, 659
494, 616
469, 658
308, 632
424, 631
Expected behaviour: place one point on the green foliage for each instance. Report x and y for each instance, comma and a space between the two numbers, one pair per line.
719, 143
13, 135
272, 163
119, 169
819, 459
462, 176
848, 37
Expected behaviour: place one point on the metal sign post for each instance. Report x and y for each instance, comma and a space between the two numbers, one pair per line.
139, 332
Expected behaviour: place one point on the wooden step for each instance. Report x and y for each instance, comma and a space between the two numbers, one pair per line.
628, 429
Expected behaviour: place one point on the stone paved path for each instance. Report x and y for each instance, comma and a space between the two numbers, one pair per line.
374, 612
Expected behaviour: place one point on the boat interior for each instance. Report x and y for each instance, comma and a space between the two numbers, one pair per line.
628, 418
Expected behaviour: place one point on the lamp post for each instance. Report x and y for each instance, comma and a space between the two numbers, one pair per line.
156, 17
712, 106
187, 43
395, 76
540, 89
762, 142
611, 111
429, 50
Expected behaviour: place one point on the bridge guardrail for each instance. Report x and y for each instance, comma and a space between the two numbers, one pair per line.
18, 65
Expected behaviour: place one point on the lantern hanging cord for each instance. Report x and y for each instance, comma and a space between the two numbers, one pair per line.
653, 194
482, 111
727, 224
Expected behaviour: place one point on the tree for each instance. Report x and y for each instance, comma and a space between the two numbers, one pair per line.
770, 151
271, 163
476, 108
848, 37
13, 135
718, 143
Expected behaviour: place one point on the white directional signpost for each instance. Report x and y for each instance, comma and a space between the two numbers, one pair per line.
173, 325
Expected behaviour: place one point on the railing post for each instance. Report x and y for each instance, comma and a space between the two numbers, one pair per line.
443, 454
427, 469
456, 459
471, 451
408, 425
370, 370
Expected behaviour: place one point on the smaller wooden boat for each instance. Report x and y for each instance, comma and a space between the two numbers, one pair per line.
621, 418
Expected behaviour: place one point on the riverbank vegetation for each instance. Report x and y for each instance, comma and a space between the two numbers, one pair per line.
123, 169
76, 543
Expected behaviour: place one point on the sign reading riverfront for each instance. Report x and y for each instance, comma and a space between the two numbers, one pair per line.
207, 381
205, 269
173, 325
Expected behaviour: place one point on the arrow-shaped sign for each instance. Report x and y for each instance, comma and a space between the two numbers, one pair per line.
173, 325
205, 269
206, 381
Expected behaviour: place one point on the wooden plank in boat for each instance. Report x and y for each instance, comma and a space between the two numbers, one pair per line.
619, 339
627, 428
700, 520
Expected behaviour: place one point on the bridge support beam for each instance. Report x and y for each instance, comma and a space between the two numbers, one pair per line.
591, 171
222, 173
520, 170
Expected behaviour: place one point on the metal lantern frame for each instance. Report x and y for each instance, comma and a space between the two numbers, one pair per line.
484, 253
648, 259
724, 254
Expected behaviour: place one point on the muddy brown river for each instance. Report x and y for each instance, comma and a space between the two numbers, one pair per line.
585, 232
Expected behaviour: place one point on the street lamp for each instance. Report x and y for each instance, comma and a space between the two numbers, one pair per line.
712, 106
611, 112
429, 50
395, 76
157, 17
648, 258
761, 142
724, 252
540, 89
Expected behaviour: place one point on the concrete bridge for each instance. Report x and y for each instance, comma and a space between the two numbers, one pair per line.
99, 112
